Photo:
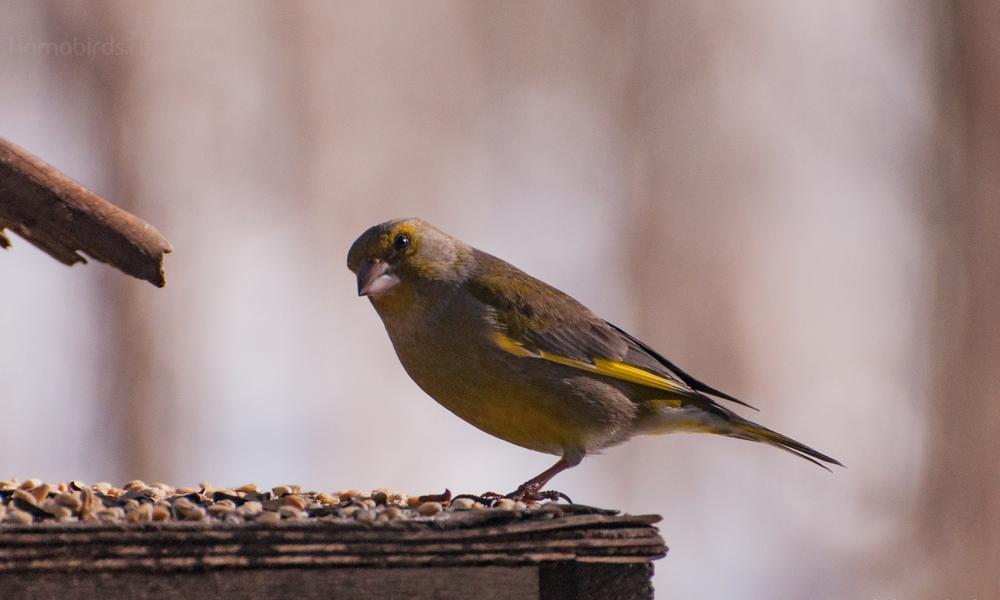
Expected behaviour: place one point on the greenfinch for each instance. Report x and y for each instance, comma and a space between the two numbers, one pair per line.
525, 362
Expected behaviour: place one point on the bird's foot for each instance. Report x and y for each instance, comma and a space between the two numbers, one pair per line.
524, 493
529, 492
486, 498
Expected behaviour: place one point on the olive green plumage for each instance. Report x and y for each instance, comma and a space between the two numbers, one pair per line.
523, 361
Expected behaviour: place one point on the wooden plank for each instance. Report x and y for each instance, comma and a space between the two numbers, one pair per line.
173, 546
583, 581
454, 583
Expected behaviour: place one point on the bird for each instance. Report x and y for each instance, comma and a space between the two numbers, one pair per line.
526, 362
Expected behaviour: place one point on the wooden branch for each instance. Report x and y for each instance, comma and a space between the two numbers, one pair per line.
64, 219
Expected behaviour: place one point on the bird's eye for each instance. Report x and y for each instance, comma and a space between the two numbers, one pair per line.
401, 242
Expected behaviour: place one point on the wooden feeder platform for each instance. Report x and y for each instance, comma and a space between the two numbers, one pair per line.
353, 549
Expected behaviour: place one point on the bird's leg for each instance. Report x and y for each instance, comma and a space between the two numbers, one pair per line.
531, 490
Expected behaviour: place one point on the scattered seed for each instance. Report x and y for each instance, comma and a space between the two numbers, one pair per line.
22, 495
183, 503
505, 504
64, 515
250, 508
295, 501
464, 504
273, 503
41, 492
327, 499
429, 508
231, 517
222, 508
191, 513
137, 502
347, 494
290, 512
30, 484
18, 517
442, 497
391, 496
143, 513
110, 515
268, 518
234, 497
89, 500
159, 491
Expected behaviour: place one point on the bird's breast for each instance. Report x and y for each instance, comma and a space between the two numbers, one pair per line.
449, 350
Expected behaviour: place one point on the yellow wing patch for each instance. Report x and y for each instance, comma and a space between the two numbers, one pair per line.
601, 366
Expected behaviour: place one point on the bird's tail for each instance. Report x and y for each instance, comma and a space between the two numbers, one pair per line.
711, 418
744, 429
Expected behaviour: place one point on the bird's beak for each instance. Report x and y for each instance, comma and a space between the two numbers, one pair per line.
374, 278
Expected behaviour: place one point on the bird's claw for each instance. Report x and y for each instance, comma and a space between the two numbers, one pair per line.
524, 493
486, 498
554, 496
529, 492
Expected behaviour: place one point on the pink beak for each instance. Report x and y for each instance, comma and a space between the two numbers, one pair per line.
374, 278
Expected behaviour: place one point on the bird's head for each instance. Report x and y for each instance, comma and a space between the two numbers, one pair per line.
402, 252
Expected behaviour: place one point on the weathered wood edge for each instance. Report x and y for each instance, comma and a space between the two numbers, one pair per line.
63, 218
170, 547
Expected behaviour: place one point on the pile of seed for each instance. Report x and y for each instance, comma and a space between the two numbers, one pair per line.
32, 501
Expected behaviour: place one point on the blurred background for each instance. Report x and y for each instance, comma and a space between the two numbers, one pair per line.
797, 202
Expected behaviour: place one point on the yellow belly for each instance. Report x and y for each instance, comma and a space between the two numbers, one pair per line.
529, 402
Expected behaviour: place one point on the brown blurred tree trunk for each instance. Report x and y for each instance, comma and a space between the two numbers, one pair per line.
960, 518
129, 385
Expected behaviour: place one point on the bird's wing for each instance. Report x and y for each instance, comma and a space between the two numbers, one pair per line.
535, 320
643, 356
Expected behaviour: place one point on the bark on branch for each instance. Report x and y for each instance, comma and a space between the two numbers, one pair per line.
66, 220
